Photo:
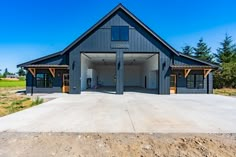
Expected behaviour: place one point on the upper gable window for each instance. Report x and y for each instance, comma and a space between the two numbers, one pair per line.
120, 33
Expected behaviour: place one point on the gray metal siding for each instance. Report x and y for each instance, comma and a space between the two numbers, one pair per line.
139, 39
119, 72
75, 72
164, 73
57, 82
210, 83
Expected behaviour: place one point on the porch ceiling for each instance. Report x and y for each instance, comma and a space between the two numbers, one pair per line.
129, 58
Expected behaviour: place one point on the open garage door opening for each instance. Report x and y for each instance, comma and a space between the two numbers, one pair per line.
98, 72
141, 72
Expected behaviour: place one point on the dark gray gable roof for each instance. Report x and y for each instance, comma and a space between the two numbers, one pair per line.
39, 59
198, 60
120, 7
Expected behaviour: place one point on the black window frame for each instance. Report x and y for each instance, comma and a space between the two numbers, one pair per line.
195, 81
119, 33
45, 82
199, 84
190, 81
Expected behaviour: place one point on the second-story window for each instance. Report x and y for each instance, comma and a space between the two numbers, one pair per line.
120, 33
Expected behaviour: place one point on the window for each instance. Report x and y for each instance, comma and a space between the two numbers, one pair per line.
43, 80
199, 81
120, 33
195, 81
190, 81
172, 80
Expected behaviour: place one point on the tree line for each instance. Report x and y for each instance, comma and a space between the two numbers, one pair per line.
225, 57
21, 72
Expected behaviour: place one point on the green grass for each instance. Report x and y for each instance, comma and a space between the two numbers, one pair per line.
12, 83
225, 91
37, 102
16, 105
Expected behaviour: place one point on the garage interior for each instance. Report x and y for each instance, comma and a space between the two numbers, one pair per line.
98, 72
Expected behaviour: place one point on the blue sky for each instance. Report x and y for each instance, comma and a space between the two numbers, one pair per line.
33, 28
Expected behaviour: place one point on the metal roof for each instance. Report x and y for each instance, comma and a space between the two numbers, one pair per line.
191, 67
39, 59
46, 66
198, 60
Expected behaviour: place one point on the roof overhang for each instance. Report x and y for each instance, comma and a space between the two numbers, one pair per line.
192, 67
39, 59
46, 66
214, 66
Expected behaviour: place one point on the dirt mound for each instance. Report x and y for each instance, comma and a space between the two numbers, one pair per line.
138, 145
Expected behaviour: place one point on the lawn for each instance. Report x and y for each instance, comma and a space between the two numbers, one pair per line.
226, 91
12, 83
11, 102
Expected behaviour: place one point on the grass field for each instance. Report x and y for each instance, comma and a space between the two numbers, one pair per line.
12, 83
225, 91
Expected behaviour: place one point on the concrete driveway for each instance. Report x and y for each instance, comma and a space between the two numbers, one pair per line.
131, 112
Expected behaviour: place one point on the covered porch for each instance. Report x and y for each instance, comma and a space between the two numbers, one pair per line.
191, 79
44, 78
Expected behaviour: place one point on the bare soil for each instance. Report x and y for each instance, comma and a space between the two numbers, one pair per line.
117, 145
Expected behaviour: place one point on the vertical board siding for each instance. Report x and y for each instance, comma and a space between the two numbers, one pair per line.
100, 39
75, 72
119, 72
210, 83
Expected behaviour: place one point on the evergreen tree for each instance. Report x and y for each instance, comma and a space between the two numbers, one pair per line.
227, 52
187, 50
21, 72
226, 56
202, 51
5, 73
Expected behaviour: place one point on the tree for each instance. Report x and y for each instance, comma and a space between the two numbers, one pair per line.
226, 57
187, 50
202, 51
227, 52
5, 73
21, 72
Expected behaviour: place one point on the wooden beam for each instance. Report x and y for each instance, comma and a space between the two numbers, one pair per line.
206, 72
186, 72
32, 71
52, 71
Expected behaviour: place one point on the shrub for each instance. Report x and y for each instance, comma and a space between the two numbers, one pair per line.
22, 78
37, 101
